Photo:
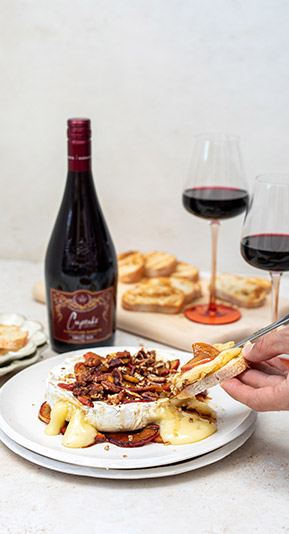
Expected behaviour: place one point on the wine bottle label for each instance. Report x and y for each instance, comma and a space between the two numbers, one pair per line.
82, 316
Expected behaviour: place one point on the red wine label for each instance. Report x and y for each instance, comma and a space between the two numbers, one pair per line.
82, 316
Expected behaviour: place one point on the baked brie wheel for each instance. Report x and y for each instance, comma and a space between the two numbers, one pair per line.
123, 398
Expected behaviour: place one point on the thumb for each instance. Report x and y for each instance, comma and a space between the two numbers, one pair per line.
268, 346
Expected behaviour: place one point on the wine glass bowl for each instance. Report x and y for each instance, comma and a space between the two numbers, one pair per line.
215, 190
265, 233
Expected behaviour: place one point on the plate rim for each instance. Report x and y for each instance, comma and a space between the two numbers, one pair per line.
131, 474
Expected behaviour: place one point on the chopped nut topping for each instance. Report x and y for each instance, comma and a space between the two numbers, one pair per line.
120, 378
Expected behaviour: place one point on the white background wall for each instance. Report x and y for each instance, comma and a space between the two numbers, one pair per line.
150, 74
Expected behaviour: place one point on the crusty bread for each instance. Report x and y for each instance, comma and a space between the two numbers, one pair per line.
185, 270
130, 267
249, 292
262, 282
230, 370
12, 337
159, 264
153, 295
191, 290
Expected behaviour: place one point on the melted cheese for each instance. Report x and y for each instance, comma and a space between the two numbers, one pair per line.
180, 428
79, 433
176, 426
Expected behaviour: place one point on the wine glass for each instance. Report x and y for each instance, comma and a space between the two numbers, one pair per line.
265, 233
215, 190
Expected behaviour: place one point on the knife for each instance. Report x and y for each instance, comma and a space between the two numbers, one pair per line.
263, 331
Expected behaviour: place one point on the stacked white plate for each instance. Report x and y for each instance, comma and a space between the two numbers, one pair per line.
12, 360
23, 433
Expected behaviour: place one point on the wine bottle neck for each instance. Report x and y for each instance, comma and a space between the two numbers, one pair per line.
79, 155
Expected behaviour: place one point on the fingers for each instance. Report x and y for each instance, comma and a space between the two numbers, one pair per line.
269, 346
264, 399
258, 379
268, 368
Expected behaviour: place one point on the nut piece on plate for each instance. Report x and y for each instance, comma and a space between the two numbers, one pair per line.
249, 292
159, 264
12, 337
153, 295
130, 267
185, 270
191, 290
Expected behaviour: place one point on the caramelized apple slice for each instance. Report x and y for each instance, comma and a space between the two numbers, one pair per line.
99, 437
44, 413
203, 353
136, 438
174, 364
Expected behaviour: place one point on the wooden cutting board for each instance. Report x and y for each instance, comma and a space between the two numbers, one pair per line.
178, 331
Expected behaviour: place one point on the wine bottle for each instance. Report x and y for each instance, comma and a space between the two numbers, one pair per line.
80, 263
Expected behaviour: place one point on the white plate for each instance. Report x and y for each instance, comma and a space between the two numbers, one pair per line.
22, 395
36, 336
131, 474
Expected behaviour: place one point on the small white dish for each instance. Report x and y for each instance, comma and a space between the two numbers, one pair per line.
36, 337
16, 365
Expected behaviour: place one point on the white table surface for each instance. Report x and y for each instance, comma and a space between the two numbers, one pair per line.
246, 492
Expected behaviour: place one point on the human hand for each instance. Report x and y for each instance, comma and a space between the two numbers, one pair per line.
265, 386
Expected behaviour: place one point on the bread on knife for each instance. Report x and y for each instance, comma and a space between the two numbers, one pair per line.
210, 366
130, 267
12, 337
248, 292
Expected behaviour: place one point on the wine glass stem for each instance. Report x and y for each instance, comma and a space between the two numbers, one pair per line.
215, 230
275, 278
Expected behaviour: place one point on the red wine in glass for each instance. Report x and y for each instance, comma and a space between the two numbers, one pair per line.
265, 235
215, 190
266, 251
215, 202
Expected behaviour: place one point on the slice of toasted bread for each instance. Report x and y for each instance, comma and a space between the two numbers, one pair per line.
263, 282
230, 370
12, 337
247, 292
185, 270
191, 290
130, 267
153, 295
159, 264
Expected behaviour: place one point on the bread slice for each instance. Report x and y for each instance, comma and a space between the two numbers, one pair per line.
159, 264
153, 295
227, 364
231, 369
191, 290
12, 337
130, 267
262, 282
185, 270
249, 292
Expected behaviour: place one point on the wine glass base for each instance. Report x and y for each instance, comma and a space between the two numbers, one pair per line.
222, 315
